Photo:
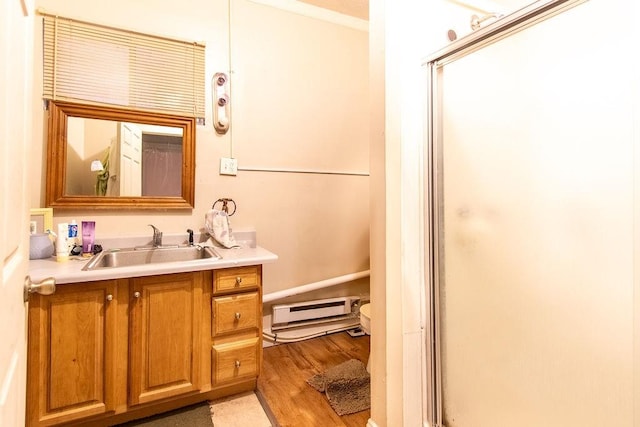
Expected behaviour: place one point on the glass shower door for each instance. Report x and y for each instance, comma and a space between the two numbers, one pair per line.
535, 226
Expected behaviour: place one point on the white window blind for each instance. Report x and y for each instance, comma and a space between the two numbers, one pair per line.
91, 63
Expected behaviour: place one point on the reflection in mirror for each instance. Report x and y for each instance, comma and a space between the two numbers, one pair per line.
103, 157
109, 158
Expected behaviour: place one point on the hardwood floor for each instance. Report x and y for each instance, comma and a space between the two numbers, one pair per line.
286, 367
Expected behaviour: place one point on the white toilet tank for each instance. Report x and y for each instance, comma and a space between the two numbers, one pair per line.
365, 318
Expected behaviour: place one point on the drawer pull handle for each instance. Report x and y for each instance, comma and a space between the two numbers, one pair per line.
109, 297
238, 281
238, 315
136, 294
237, 363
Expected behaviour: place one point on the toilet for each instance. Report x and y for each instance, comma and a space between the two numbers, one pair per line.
365, 325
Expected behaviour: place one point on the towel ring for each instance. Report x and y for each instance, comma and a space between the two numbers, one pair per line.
225, 207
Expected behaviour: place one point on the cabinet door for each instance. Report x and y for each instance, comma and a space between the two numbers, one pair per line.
164, 336
71, 353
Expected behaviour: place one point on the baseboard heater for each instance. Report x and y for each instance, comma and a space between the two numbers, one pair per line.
305, 313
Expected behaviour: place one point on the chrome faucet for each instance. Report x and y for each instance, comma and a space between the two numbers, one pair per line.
157, 236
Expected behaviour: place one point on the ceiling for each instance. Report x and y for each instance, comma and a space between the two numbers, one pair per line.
493, 6
360, 8
356, 8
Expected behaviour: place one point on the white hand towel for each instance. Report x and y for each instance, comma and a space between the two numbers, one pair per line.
218, 226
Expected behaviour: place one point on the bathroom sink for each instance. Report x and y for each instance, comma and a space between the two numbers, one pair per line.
113, 258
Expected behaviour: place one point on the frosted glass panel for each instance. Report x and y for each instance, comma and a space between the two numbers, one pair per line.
537, 227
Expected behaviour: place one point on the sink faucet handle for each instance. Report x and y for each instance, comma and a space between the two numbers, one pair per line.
157, 236
190, 231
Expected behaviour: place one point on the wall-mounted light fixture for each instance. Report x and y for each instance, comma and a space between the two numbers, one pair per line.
220, 91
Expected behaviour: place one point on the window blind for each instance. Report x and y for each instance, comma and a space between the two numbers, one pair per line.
90, 63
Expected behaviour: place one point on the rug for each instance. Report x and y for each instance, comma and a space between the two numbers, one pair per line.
239, 410
191, 416
347, 386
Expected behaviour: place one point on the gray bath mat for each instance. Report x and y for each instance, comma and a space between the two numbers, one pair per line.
347, 386
198, 415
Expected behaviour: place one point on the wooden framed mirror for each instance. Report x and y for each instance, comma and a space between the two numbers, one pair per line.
110, 158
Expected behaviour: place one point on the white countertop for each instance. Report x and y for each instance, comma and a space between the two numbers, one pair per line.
71, 271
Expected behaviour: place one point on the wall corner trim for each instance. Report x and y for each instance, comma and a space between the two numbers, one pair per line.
317, 12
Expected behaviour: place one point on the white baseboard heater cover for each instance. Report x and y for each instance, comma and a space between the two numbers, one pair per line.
312, 310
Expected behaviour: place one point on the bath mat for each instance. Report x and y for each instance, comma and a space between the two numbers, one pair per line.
347, 386
239, 410
198, 415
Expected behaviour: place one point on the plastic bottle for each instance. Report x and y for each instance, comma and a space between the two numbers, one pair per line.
73, 235
62, 251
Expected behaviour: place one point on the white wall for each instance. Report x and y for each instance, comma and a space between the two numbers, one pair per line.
76, 176
402, 34
299, 100
378, 341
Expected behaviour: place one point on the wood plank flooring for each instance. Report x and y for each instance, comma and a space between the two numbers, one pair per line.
286, 368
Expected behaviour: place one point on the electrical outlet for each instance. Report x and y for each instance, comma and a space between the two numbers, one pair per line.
228, 166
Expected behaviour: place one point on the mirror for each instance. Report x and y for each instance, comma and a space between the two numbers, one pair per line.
105, 157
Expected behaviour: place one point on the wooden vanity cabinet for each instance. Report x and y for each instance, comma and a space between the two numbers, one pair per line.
71, 353
236, 325
105, 352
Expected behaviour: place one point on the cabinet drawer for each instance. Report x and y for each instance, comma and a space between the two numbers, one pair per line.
235, 279
235, 361
235, 313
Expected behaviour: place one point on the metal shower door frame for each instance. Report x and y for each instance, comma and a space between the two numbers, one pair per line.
434, 255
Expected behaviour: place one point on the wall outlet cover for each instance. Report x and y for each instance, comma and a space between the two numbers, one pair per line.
228, 166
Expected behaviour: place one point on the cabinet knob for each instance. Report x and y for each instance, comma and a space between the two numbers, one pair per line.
238, 315
109, 297
238, 281
136, 294
237, 363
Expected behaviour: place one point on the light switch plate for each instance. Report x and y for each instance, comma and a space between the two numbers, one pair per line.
228, 166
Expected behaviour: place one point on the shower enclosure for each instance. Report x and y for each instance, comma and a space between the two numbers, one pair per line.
534, 186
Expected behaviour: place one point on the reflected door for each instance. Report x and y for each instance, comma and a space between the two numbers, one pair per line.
536, 226
130, 139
